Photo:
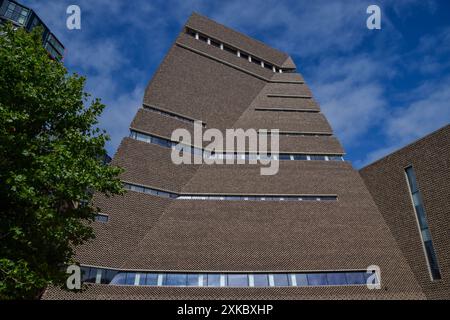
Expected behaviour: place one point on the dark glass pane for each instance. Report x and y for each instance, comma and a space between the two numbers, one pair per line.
335, 158
229, 49
109, 275
142, 279
432, 260
412, 179
417, 199
213, 280
302, 279
215, 43
355, 277
192, 280
130, 278
175, 279
101, 218
151, 279
336, 278
238, 280
300, 157
317, 279
280, 280
256, 61
85, 273
261, 280
244, 55
119, 278
284, 157
92, 275
423, 224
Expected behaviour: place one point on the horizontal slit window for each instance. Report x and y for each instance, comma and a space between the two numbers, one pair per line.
166, 143
224, 197
230, 279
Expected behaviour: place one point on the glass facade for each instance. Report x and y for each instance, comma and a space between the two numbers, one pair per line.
230, 280
21, 16
423, 224
14, 12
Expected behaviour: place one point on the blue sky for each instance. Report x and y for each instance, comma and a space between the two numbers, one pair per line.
380, 89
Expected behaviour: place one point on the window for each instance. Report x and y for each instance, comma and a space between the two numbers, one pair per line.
171, 195
193, 280
317, 279
244, 55
430, 254
114, 277
260, 280
213, 280
101, 218
232, 50
287, 110
280, 280
84, 273
108, 276
166, 143
170, 114
256, 61
237, 280
151, 279
317, 157
336, 278
119, 278
215, 43
301, 279
355, 278
175, 279
130, 278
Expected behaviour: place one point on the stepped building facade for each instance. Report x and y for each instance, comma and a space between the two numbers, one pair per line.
224, 231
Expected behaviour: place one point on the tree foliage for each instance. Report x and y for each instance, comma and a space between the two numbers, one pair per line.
51, 163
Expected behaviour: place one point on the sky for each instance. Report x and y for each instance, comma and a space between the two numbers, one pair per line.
380, 89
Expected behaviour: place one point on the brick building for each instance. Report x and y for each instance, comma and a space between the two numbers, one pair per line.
225, 231
411, 189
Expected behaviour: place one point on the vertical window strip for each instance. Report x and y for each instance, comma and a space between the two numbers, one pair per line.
422, 223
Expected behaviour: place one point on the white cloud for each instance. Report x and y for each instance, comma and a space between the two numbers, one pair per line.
118, 114
324, 37
427, 111
351, 93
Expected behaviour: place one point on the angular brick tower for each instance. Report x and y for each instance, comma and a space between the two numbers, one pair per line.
226, 231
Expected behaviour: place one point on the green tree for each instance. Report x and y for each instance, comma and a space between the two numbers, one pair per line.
51, 163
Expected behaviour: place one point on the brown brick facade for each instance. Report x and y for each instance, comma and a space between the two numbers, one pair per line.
386, 180
145, 232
